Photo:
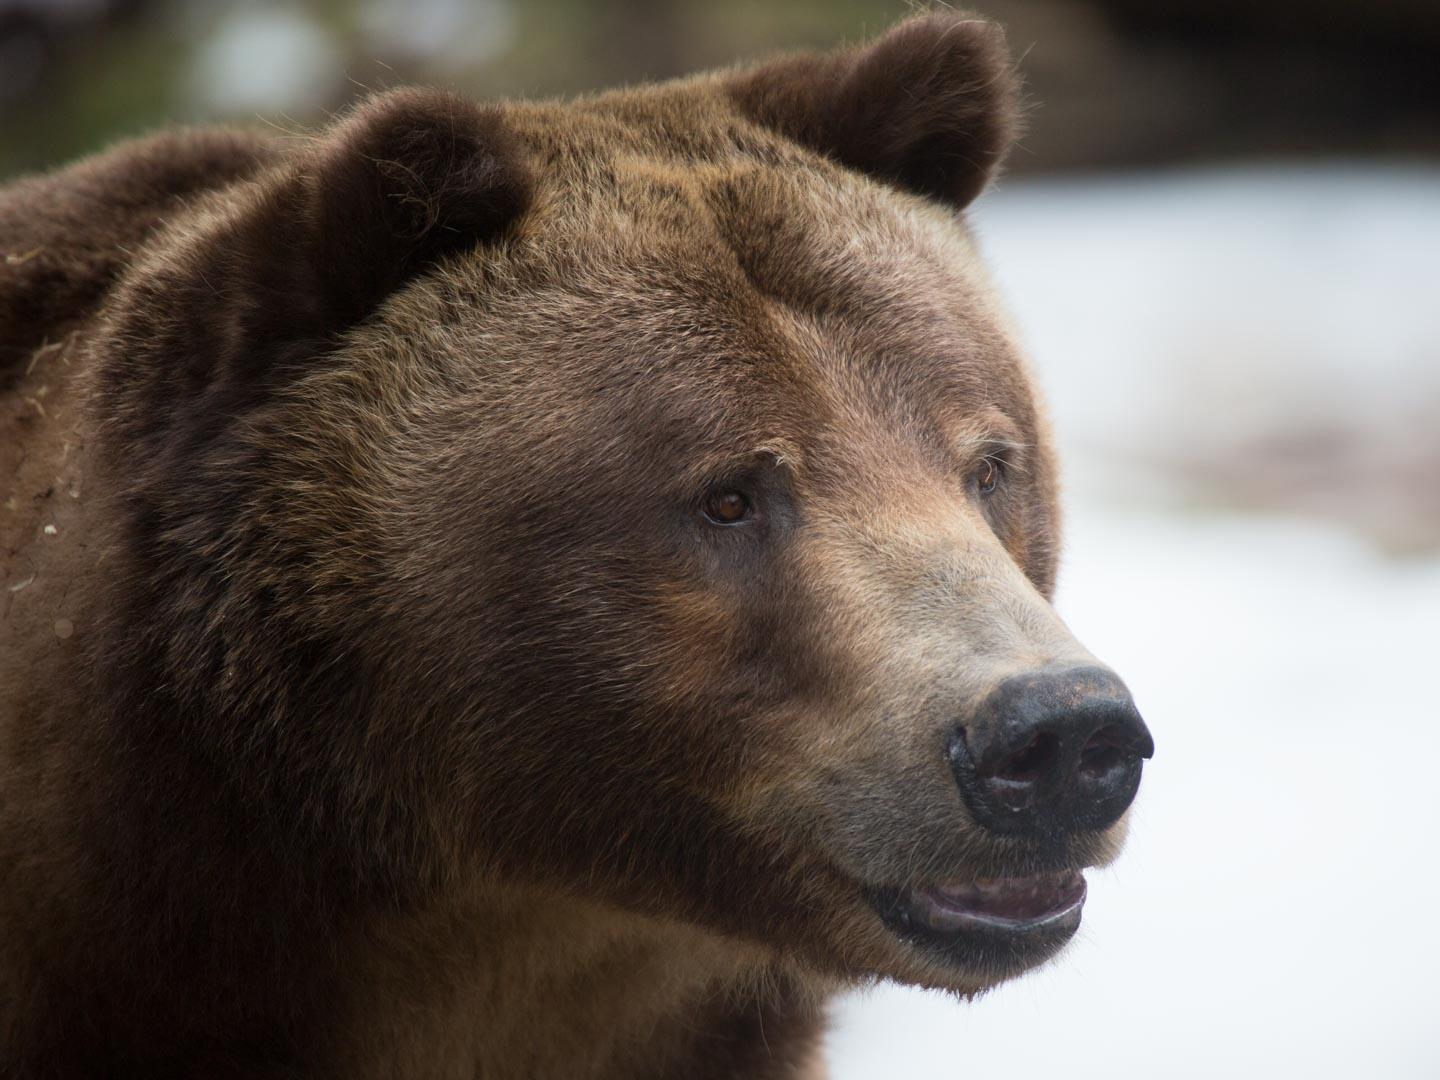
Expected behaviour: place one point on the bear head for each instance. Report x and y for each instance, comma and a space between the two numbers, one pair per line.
640, 498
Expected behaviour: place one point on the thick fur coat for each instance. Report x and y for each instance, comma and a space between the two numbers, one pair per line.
383, 689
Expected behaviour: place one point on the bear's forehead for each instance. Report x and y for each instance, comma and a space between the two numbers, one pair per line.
746, 299
669, 173
732, 232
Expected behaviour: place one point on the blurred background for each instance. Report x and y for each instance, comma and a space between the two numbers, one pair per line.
1221, 240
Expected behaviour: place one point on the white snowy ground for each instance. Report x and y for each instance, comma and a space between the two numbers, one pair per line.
1277, 910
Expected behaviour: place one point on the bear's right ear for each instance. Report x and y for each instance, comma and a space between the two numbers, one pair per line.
281, 265
410, 176
931, 107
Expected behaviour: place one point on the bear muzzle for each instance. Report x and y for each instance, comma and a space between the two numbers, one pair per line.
1047, 762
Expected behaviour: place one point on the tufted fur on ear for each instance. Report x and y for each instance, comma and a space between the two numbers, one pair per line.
413, 175
254, 288
932, 107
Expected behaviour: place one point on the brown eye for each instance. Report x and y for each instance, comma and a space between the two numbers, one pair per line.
727, 508
987, 476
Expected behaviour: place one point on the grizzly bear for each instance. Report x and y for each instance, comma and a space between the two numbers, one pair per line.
533, 590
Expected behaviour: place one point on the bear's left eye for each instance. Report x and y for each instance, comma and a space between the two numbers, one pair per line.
987, 475
727, 508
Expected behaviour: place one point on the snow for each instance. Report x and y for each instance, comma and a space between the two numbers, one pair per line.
1277, 910
1147, 299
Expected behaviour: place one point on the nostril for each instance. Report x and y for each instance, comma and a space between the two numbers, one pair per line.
1105, 751
1034, 760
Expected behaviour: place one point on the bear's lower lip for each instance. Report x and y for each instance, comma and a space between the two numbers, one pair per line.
1006, 904
1000, 926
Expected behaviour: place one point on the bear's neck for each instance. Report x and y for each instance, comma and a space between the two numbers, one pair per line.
547, 986
231, 958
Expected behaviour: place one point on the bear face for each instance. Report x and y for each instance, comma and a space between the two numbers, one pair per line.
838, 385
681, 499
639, 499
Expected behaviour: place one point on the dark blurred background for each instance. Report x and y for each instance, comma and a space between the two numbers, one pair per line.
1117, 82
1221, 240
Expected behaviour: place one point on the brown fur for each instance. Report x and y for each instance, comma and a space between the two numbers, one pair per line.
373, 700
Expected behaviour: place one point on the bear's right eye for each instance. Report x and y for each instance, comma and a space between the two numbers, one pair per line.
987, 475
727, 508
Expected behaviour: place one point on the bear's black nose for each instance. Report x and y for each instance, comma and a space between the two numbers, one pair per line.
1051, 752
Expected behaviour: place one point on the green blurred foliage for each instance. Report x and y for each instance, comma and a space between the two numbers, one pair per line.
1114, 83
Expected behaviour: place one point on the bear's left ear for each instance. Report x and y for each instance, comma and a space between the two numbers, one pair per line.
931, 107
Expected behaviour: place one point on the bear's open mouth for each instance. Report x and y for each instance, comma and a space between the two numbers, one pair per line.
1006, 903
1015, 920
